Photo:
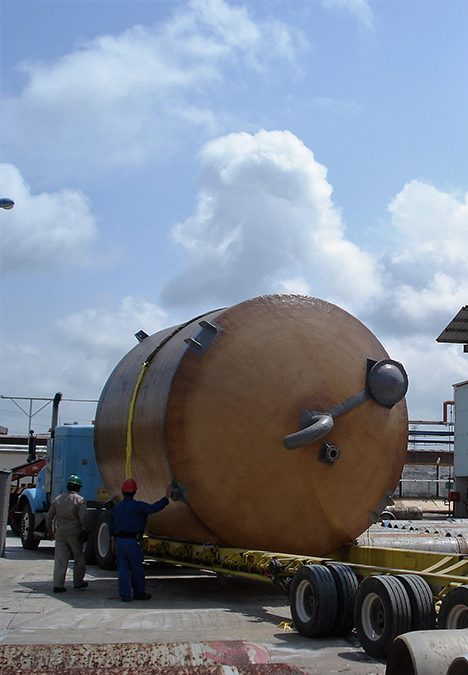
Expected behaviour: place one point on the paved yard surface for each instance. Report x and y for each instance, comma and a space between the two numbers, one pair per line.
186, 606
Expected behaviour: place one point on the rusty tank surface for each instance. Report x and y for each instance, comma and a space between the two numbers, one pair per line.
282, 419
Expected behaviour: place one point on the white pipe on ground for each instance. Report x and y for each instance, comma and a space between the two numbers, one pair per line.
426, 652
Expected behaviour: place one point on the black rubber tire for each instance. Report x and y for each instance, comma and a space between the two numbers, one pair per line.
423, 616
15, 524
90, 544
346, 586
453, 612
105, 557
382, 612
314, 601
28, 539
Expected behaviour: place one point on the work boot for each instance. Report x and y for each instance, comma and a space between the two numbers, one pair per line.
141, 596
59, 589
84, 584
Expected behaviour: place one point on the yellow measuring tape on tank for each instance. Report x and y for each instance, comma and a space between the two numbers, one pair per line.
129, 447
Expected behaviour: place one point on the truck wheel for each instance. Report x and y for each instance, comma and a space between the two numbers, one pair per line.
14, 521
382, 612
346, 586
105, 558
453, 611
314, 603
28, 540
423, 615
90, 545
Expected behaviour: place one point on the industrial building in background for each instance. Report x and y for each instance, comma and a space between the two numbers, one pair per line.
457, 333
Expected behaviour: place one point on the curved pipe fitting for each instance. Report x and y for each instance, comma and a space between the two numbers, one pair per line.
320, 425
386, 383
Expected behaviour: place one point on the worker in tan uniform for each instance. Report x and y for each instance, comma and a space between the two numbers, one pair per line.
67, 523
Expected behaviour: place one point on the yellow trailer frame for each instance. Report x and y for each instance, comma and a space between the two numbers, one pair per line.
381, 592
441, 571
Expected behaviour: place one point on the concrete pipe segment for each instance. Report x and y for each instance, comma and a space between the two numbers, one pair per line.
426, 652
282, 417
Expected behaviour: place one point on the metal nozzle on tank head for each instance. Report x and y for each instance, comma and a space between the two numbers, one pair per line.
329, 453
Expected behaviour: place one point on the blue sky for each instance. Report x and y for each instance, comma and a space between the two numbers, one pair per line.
168, 158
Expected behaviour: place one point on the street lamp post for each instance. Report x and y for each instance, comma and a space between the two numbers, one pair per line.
6, 203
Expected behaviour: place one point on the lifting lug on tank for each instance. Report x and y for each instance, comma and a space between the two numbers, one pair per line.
179, 491
203, 339
386, 383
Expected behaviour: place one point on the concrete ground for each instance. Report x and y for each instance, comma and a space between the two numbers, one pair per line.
187, 606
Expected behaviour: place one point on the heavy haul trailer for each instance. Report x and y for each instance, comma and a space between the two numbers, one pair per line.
382, 592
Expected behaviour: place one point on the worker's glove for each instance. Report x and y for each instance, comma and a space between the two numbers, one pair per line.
83, 536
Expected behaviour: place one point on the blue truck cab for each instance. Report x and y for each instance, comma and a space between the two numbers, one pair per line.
73, 453
70, 451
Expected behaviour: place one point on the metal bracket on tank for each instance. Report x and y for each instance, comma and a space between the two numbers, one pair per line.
179, 491
381, 506
386, 383
203, 339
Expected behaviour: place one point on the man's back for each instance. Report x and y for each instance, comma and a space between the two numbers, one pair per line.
69, 510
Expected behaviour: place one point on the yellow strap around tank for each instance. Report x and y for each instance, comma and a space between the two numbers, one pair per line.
149, 358
129, 447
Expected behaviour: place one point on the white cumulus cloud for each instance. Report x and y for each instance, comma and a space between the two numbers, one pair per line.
117, 100
359, 8
74, 356
101, 331
431, 226
265, 222
427, 266
43, 230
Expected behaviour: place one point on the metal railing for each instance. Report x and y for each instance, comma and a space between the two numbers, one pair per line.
436, 488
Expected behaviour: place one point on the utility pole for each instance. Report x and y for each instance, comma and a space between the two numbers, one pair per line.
29, 411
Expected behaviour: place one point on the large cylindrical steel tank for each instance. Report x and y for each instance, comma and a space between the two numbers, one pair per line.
215, 403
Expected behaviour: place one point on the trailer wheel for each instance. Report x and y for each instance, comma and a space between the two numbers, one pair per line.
453, 611
346, 586
28, 539
314, 602
423, 615
105, 557
382, 612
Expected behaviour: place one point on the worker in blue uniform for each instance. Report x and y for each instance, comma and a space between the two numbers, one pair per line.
128, 522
